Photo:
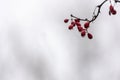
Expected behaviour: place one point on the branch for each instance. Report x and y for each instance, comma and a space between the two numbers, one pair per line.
117, 1
84, 29
98, 8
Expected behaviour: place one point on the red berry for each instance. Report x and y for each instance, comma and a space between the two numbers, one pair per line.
77, 20
80, 28
89, 35
83, 33
66, 20
111, 8
78, 23
86, 25
70, 27
114, 12
73, 23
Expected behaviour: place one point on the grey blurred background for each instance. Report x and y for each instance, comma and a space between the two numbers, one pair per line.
35, 44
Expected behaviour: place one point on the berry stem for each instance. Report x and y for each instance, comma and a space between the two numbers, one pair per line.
117, 1
95, 16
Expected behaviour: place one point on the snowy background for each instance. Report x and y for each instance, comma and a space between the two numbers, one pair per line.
35, 44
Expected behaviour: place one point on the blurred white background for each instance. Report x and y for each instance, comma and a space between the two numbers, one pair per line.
35, 44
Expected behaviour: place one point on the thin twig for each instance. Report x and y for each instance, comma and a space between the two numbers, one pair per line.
98, 8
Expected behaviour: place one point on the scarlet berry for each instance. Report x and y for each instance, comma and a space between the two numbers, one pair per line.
70, 27
78, 23
73, 23
114, 12
86, 25
89, 35
111, 8
77, 20
83, 33
66, 20
80, 28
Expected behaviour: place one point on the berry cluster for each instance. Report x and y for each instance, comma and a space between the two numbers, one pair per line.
75, 21
82, 30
